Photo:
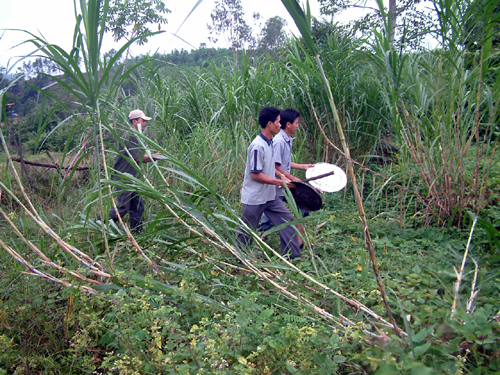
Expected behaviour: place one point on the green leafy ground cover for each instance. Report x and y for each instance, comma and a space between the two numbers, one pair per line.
210, 318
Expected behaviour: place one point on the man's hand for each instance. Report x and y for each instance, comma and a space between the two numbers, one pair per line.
287, 181
147, 159
157, 153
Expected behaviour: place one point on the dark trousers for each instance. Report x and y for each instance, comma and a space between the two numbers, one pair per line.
278, 214
131, 203
266, 224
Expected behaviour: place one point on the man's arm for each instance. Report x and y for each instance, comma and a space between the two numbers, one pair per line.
265, 179
301, 166
280, 172
147, 159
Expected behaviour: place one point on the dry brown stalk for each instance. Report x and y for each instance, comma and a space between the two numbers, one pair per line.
81, 257
45, 165
360, 307
23, 192
359, 202
460, 274
445, 177
268, 275
87, 137
33, 214
365, 168
78, 255
35, 272
473, 291
48, 261
373, 189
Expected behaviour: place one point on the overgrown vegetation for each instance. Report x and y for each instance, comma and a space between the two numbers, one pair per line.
417, 130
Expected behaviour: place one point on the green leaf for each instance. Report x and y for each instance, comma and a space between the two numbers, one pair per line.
419, 350
420, 369
142, 335
422, 334
303, 21
388, 370
339, 359
266, 314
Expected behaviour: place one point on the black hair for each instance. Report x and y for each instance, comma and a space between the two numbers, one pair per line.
131, 120
288, 115
267, 114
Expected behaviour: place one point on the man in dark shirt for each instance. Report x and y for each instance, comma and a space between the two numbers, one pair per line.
128, 201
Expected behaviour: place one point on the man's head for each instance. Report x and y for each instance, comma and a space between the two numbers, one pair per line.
267, 114
289, 119
269, 117
137, 117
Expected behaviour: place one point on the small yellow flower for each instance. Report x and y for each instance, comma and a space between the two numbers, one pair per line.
243, 361
359, 268
183, 285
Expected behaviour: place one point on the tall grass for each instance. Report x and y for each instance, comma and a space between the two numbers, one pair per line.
354, 89
442, 113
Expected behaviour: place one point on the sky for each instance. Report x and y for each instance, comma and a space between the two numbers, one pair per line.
54, 19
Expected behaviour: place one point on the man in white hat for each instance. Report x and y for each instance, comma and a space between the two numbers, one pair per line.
128, 201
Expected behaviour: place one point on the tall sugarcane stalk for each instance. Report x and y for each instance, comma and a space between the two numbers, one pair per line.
303, 21
88, 85
359, 199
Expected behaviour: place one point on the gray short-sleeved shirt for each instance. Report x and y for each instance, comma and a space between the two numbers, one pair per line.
282, 145
123, 163
260, 159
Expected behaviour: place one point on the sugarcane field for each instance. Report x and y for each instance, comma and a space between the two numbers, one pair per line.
315, 189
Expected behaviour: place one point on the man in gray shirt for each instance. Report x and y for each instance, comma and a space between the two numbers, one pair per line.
258, 194
129, 151
282, 145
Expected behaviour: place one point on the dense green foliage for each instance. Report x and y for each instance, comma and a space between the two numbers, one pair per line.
422, 129
172, 330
